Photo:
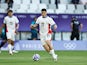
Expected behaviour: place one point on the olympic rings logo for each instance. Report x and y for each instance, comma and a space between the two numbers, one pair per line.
70, 46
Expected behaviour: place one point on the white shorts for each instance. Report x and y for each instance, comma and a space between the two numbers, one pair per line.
44, 38
10, 35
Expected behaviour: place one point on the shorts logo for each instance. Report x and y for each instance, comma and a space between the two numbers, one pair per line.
70, 46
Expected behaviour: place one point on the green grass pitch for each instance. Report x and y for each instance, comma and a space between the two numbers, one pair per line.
25, 58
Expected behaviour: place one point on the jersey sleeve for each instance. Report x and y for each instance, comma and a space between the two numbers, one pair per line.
17, 21
51, 21
4, 21
37, 21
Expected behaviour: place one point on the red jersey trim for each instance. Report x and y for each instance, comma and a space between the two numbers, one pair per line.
49, 30
6, 29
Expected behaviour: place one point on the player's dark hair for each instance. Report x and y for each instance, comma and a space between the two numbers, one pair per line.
43, 9
9, 11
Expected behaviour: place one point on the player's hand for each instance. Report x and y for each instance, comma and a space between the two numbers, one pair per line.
16, 32
32, 27
55, 26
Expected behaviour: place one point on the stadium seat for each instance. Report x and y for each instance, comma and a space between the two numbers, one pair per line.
65, 1
17, 1
21, 11
85, 6
2, 10
79, 11
33, 6
85, 11
51, 6
45, 1
66, 36
59, 11
71, 7
62, 6
58, 36
2, 1
35, 1
26, 2
24, 7
80, 7
50, 11
31, 11
15, 6
3, 6
52, 1
42, 6
68, 11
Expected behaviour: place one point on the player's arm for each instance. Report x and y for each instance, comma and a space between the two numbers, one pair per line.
35, 25
2, 26
71, 25
54, 27
81, 26
53, 24
37, 22
32, 26
17, 25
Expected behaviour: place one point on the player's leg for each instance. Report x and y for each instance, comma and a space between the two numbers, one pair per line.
72, 36
10, 46
44, 44
9, 39
50, 46
46, 47
12, 43
4, 40
51, 50
77, 36
42, 38
13, 50
3, 43
13, 39
34, 35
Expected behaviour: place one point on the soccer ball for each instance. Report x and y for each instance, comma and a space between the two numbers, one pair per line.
36, 57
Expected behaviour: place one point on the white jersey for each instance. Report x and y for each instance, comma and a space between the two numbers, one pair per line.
11, 23
45, 25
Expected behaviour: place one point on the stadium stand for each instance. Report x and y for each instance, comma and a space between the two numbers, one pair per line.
45, 1
65, 1
50, 11
34, 6
53, 1
52, 6
36, 1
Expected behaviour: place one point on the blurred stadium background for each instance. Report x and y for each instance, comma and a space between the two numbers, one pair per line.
62, 12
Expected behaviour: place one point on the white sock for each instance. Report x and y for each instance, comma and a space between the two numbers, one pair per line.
10, 48
52, 52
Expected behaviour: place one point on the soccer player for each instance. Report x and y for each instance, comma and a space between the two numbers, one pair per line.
4, 39
76, 27
45, 22
12, 25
